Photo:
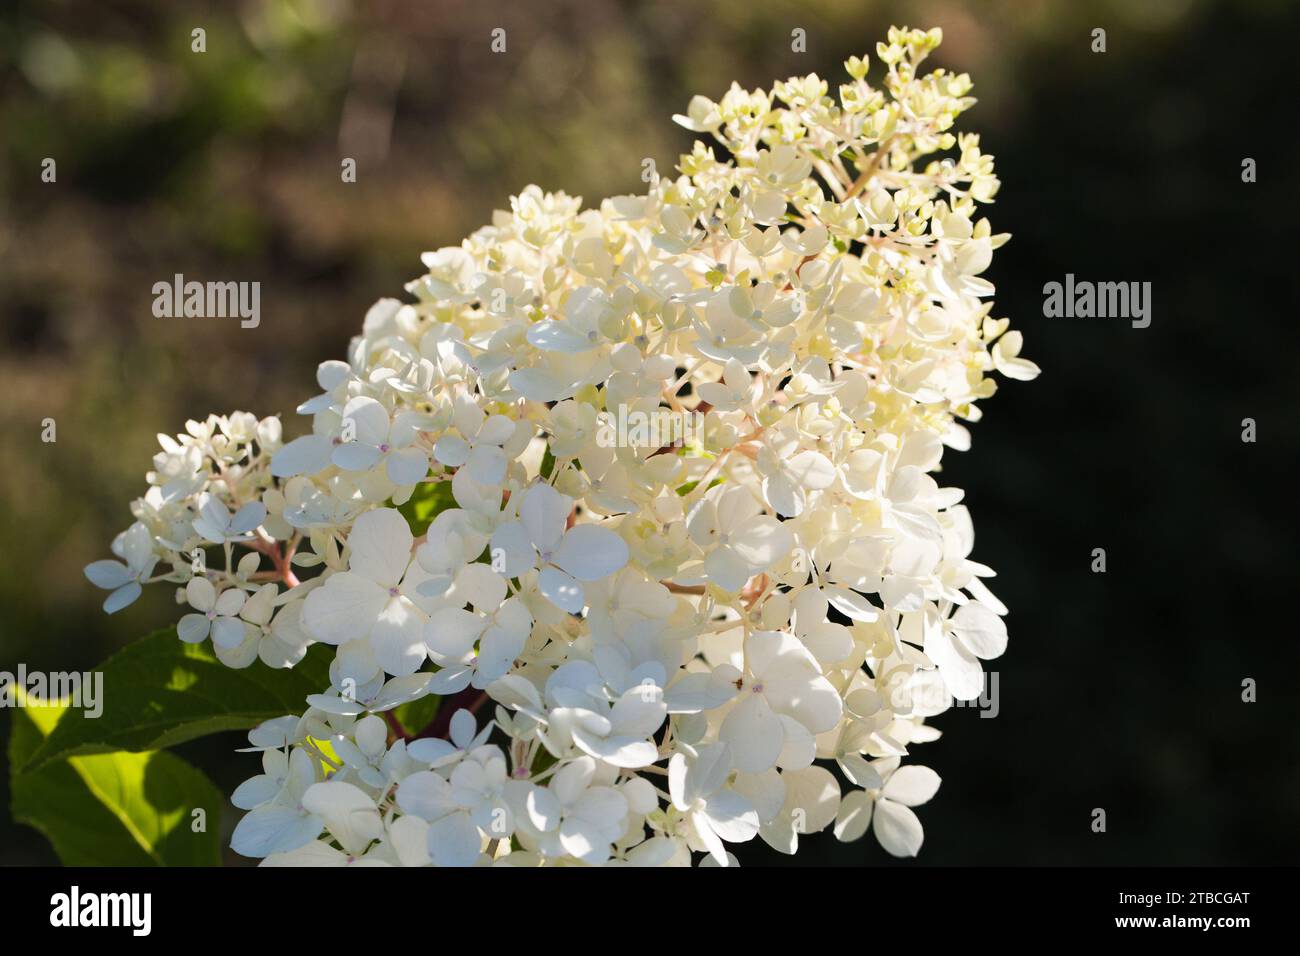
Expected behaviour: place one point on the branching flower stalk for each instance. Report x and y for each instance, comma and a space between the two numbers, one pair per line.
647, 653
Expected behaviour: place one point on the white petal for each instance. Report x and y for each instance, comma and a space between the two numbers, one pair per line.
860, 771
853, 817
274, 829
497, 650
731, 816
605, 807
583, 839
230, 602
544, 512
407, 466
370, 418
539, 385
348, 812
451, 633
561, 590
201, 594
398, 638
122, 597
371, 735
241, 655
851, 604
911, 785
960, 670
554, 335
764, 791
354, 456
454, 841
255, 791
193, 628
343, 706
569, 783
726, 568
342, 609
762, 541
137, 547
315, 854
381, 543
517, 692
590, 553
811, 469
409, 836
467, 416
356, 660
753, 733
108, 575
486, 464
452, 679
678, 782
480, 586
712, 842
451, 450
248, 517
212, 522
784, 495
640, 795
809, 698
228, 632
639, 711
711, 768
302, 456
736, 507
829, 643
430, 750
799, 748
618, 751
982, 631
816, 793
399, 690
897, 828
463, 726
332, 373
764, 648
543, 809
425, 794
512, 543
497, 430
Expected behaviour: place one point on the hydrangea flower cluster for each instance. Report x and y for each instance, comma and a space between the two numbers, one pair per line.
649, 652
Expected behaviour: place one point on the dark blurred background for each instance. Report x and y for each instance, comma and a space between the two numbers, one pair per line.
1120, 690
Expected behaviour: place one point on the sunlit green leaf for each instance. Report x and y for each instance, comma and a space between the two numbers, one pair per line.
160, 691
116, 809
429, 499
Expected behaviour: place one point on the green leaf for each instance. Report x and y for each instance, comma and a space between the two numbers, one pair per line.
160, 691
119, 809
687, 488
548, 463
417, 714
429, 499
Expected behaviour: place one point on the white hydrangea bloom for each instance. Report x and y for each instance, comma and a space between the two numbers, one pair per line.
645, 490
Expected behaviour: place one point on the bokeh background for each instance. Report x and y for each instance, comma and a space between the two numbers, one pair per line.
1120, 690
